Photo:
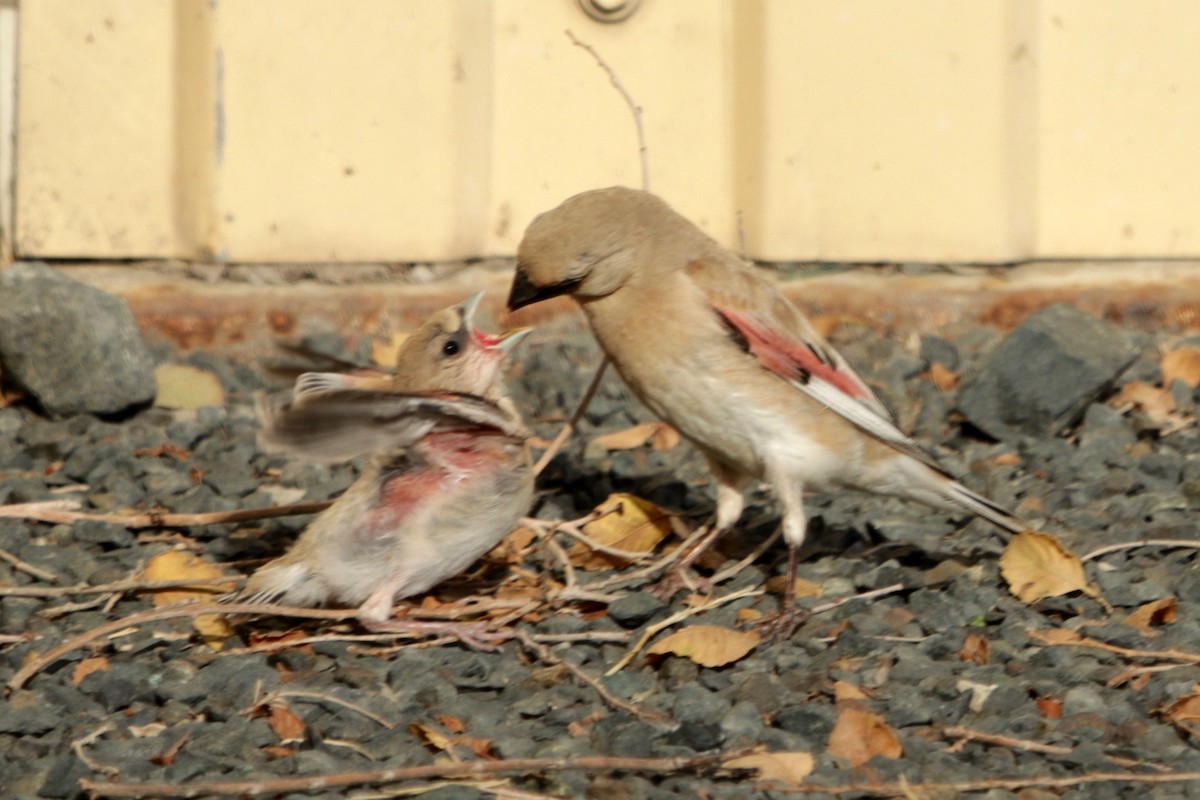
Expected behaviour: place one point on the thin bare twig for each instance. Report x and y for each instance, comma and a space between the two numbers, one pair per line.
965, 734
79, 746
571, 424
62, 511
321, 697
1049, 638
546, 654
25, 566
906, 788
871, 595
1113, 548
643, 151
216, 585
522, 766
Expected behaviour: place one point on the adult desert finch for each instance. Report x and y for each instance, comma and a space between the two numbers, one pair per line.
711, 346
449, 473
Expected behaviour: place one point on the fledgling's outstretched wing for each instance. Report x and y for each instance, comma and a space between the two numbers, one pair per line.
331, 417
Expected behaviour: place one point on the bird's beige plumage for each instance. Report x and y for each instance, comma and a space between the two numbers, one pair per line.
715, 349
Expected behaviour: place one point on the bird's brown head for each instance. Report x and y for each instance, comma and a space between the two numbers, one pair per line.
584, 247
448, 353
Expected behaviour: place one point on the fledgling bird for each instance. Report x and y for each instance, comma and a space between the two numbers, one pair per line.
449, 474
715, 349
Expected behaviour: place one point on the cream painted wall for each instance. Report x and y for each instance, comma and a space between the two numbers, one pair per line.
318, 130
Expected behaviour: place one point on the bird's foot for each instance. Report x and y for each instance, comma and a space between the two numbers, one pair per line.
780, 626
679, 577
476, 635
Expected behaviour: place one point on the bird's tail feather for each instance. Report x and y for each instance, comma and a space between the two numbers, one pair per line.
982, 507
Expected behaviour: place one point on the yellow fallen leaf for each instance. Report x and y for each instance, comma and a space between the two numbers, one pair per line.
782, 767
1182, 364
183, 386
175, 565
384, 352
1036, 566
859, 735
633, 526
1156, 612
660, 435
707, 645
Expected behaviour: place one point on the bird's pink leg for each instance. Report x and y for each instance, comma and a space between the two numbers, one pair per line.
730, 503
791, 497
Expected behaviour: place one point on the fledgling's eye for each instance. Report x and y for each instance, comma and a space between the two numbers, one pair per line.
450, 348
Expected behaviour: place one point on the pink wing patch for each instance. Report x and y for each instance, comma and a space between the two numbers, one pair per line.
792, 359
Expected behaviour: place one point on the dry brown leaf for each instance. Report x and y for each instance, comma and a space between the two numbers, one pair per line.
944, 378
802, 586
1049, 707
634, 526
278, 751
385, 351
1056, 636
707, 645
430, 736
183, 386
1157, 612
976, 648
1155, 404
182, 565
781, 767
1036, 566
511, 549
287, 726
1182, 364
1184, 713
87, 667
845, 690
452, 724
660, 435
259, 639
859, 735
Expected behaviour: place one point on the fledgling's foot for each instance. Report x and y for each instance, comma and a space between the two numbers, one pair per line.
677, 578
476, 635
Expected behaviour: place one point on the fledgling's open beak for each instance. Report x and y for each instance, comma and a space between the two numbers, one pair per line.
504, 342
509, 339
467, 309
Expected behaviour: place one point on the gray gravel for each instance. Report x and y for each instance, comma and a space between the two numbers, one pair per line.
177, 711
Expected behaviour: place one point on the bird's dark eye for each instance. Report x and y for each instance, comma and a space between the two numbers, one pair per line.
450, 348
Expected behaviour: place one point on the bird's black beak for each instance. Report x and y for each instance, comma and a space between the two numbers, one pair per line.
524, 292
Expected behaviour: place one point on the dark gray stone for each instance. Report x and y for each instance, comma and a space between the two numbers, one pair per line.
62, 779
935, 350
635, 609
74, 348
1039, 380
